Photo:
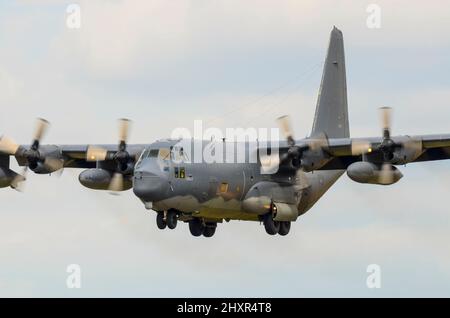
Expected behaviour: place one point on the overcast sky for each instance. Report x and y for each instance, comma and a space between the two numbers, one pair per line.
232, 64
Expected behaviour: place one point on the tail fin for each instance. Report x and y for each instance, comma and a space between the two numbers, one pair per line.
331, 115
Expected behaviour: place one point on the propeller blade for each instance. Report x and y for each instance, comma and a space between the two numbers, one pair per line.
284, 123
124, 129
386, 175
386, 115
95, 153
269, 163
8, 146
116, 183
18, 183
360, 147
41, 127
319, 141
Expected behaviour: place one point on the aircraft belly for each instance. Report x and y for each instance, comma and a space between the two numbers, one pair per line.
216, 208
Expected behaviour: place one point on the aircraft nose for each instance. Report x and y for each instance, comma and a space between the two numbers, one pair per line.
149, 187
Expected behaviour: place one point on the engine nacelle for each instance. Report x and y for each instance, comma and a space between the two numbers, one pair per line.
407, 154
44, 167
51, 161
367, 172
100, 179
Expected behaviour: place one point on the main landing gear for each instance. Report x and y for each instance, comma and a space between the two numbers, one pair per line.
169, 219
197, 226
276, 227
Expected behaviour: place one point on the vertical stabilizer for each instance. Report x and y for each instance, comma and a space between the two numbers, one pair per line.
331, 115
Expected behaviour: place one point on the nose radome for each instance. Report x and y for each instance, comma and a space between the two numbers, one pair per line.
149, 187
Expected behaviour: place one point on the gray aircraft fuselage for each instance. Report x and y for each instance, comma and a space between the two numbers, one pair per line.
221, 190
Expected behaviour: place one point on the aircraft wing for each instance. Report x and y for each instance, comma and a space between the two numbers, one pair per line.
75, 156
437, 147
434, 147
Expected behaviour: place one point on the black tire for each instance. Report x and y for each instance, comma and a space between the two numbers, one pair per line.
272, 227
171, 219
209, 230
160, 222
196, 227
285, 227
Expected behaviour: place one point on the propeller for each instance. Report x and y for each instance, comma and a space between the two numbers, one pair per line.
32, 155
121, 156
284, 122
295, 151
408, 147
387, 146
10, 147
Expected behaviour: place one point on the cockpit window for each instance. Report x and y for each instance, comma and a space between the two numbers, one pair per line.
153, 153
164, 154
161, 154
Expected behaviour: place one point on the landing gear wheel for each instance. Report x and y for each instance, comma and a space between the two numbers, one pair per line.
171, 219
285, 227
160, 222
196, 227
272, 227
209, 230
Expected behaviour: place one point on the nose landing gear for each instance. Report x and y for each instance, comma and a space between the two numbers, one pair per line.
171, 219
160, 221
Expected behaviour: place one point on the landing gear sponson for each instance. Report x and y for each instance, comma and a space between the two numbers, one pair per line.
199, 227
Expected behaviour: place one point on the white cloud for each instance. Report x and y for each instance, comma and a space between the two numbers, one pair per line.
117, 38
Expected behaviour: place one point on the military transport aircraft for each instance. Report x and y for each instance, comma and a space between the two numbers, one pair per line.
204, 194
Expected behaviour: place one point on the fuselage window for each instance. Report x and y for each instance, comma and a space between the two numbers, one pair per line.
180, 172
223, 187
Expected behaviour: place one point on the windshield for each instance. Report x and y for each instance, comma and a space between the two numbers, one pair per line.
161, 153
